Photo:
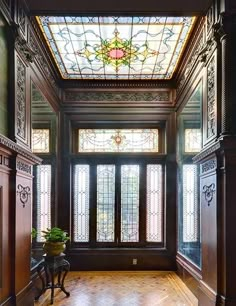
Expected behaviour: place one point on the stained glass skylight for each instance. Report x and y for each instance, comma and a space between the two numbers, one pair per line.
116, 47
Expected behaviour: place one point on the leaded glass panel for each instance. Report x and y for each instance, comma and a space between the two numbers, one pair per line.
154, 203
81, 203
190, 204
129, 203
40, 140
43, 183
112, 47
118, 140
193, 140
105, 203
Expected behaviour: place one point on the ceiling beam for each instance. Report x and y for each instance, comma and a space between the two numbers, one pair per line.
121, 7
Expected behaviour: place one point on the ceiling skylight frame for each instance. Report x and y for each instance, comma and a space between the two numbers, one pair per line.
119, 57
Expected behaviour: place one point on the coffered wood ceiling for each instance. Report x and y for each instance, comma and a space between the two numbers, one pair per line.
131, 7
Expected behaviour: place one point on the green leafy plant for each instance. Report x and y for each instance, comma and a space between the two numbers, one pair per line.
33, 233
55, 234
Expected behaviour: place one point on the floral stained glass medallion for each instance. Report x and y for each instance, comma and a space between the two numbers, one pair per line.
116, 47
118, 140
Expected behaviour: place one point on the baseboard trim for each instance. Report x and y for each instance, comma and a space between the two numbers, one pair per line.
25, 297
8, 302
207, 296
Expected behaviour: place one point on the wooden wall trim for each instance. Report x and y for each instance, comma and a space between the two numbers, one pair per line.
208, 293
9, 302
9, 144
190, 267
25, 296
118, 84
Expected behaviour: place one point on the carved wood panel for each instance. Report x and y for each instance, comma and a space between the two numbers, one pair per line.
211, 99
5, 228
208, 196
20, 99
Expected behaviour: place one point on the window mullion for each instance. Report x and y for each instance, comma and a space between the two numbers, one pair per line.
142, 204
117, 205
92, 205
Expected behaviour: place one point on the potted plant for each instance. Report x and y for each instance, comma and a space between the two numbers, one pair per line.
55, 239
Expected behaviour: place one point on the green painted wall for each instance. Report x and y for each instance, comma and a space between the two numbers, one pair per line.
3, 78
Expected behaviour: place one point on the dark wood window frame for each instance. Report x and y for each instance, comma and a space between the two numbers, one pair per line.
143, 159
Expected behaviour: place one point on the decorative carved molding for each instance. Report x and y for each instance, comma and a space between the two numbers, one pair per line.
6, 161
211, 99
23, 167
210, 18
209, 165
208, 191
24, 49
22, 19
21, 45
117, 96
203, 154
225, 24
40, 58
6, 6
20, 99
24, 193
116, 84
18, 149
193, 58
207, 49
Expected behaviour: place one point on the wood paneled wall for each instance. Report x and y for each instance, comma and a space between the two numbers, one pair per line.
210, 57
213, 58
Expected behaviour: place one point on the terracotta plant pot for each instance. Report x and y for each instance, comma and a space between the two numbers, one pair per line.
54, 248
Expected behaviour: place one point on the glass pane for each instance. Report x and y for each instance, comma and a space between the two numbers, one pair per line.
81, 203
154, 203
115, 140
190, 204
116, 47
40, 140
129, 203
193, 139
43, 180
105, 203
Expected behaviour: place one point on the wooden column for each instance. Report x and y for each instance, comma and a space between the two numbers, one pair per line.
218, 167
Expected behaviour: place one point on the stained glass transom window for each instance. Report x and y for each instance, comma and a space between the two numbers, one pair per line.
105, 203
40, 140
129, 203
118, 140
193, 139
116, 47
154, 203
43, 179
81, 203
190, 204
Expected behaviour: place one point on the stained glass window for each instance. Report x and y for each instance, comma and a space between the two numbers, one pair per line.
43, 179
192, 139
116, 47
40, 140
105, 203
154, 203
81, 203
190, 204
129, 203
118, 140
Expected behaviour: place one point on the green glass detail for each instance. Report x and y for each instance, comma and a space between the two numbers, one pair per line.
116, 47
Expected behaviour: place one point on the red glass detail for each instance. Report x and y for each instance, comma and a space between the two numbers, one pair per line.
118, 139
116, 53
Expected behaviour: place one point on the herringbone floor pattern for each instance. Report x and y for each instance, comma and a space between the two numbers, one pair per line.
122, 289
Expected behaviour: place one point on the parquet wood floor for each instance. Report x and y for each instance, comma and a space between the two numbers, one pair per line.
148, 288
